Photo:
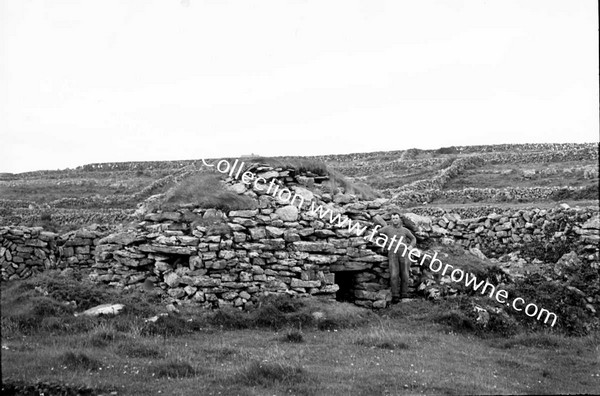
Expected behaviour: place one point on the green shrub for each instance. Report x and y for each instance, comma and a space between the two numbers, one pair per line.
229, 318
269, 374
564, 301
103, 335
457, 320
548, 252
448, 150
382, 338
277, 312
221, 353
273, 312
78, 361
284, 303
85, 293
172, 369
538, 340
501, 324
29, 313
135, 350
328, 324
294, 336
459, 314
588, 192
167, 326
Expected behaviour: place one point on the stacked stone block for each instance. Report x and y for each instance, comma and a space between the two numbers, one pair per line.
24, 251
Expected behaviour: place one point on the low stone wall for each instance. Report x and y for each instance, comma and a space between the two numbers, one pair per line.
24, 251
215, 258
235, 261
371, 163
28, 250
471, 194
499, 233
68, 216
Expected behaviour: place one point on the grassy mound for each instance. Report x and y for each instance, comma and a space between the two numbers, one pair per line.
205, 190
49, 300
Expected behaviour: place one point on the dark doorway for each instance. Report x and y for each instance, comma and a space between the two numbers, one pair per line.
345, 281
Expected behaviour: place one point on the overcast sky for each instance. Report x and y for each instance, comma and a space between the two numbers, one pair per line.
102, 81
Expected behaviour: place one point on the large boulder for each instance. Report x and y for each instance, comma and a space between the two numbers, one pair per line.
104, 309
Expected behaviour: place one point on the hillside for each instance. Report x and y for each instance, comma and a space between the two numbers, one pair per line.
539, 174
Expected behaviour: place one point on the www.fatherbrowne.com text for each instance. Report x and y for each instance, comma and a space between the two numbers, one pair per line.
284, 195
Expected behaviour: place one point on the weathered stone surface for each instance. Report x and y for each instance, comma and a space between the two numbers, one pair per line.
195, 262
423, 223
258, 233
324, 233
122, 238
291, 236
243, 213
274, 232
476, 252
306, 194
35, 242
129, 254
273, 244
350, 266
104, 309
320, 247
287, 213
268, 175
238, 188
172, 279
322, 259
301, 283
168, 216
177, 292
206, 281
184, 250
592, 223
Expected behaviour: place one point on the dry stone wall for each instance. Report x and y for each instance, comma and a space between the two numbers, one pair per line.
237, 257
214, 259
473, 194
28, 250
507, 231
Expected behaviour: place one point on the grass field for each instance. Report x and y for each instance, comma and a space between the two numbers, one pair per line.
283, 349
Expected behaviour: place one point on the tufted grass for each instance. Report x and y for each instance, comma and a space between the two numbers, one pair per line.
205, 190
172, 369
74, 360
345, 350
407, 353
